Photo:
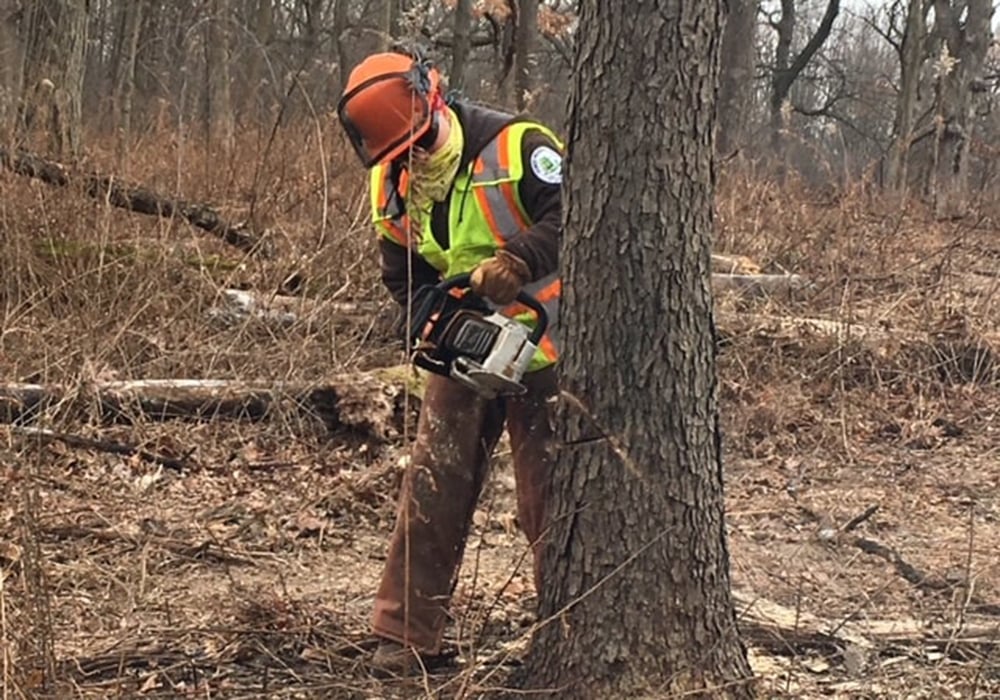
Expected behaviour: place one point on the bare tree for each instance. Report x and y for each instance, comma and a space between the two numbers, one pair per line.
637, 599
787, 67
964, 34
55, 34
737, 72
526, 36
10, 61
461, 45
912, 54
125, 78
263, 32
219, 119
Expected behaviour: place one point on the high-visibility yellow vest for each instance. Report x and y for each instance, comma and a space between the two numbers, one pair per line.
485, 212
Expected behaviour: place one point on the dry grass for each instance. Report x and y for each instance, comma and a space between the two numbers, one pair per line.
252, 573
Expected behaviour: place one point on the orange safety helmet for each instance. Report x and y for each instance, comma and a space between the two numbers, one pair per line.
389, 104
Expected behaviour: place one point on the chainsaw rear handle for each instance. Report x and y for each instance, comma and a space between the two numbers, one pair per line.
464, 281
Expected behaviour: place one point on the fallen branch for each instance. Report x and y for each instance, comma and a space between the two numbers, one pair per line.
782, 630
368, 402
133, 198
759, 285
921, 580
207, 550
734, 264
239, 306
966, 357
928, 583
118, 448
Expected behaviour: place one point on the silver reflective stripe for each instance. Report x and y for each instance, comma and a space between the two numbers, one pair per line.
508, 222
490, 158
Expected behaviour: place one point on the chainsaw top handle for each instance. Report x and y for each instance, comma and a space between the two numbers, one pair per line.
464, 281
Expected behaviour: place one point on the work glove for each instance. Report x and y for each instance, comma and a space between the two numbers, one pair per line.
500, 278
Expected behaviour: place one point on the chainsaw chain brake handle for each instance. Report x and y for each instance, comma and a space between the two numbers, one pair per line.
464, 281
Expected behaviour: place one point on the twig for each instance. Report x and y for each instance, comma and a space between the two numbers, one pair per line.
119, 448
923, 581
857, 520
206, 551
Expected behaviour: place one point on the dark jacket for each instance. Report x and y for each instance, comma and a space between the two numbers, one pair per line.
537, 245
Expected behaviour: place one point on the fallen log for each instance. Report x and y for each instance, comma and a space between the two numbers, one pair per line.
134, 198
734, 264
758, 285
786, 631
887, 351
239, 306
372, 403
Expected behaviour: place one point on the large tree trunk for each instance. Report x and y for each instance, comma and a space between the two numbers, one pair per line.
125, 78
524, 52
965, 35
340, 23
257, 71
637, 587
737, 73
11, 62
911, 61
462, 44
220, 122
56, 33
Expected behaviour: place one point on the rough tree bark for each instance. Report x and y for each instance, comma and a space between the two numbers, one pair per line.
964, 30
736, 74
524, 50
637, 599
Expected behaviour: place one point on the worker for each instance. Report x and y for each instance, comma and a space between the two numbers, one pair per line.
456, 188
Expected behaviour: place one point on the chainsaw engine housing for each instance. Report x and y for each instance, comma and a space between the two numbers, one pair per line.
487, 353
463, 339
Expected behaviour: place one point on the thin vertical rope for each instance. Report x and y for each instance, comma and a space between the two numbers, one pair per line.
408, 472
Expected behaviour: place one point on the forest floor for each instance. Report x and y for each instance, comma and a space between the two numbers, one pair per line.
862, 464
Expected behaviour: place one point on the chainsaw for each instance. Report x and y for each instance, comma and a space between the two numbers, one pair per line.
462, 338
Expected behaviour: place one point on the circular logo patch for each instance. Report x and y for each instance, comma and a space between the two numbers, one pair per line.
546, 164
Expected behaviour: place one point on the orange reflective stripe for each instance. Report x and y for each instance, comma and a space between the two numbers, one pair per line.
395, 230
503, 157
548, 348
550, 292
